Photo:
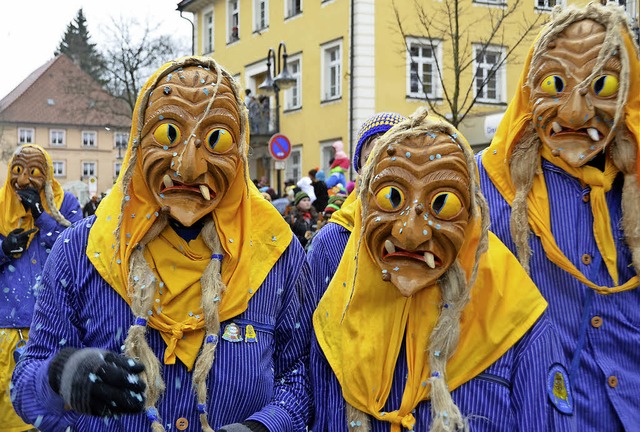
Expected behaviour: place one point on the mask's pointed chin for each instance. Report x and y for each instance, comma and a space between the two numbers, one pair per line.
409, 286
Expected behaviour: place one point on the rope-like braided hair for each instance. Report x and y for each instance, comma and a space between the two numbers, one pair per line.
141, 277
455, 290
525, 161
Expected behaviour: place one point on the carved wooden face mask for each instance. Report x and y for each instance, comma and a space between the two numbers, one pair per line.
29, 169
418, 211
190, 153
573, 113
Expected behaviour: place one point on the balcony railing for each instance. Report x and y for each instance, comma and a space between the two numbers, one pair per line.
261, 119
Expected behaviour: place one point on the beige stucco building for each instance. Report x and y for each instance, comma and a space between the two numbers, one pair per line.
61, 108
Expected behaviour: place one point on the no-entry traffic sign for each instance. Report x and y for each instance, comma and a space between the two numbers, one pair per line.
279, 147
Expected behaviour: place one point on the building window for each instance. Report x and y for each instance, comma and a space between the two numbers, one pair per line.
120, 139
326, 154
26, 135
294, 164
117, 166
293, 95
331, 71
56, 137
58, 169
88, 169
233, 24
260, 14
292, 8
89, 138
207, 32
423, 80
548, 4
489, 83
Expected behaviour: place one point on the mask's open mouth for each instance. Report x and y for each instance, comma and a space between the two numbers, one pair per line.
390, 250
558, 131
170, 185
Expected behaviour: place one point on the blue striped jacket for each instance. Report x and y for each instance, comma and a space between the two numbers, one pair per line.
599, 334
19, 276
510, 395
266, 381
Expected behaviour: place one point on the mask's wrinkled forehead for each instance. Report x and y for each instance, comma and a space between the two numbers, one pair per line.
198, 91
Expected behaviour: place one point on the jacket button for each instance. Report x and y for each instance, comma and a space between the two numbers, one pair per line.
613, 381
586, 259
585, 198
596, 321
182, 423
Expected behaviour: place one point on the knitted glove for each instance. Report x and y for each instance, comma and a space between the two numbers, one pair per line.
16, 241
30, 199
248, 426
97, 382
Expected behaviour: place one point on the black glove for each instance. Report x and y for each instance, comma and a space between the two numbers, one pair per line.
30, 199
16, 241
248, 426
97, 382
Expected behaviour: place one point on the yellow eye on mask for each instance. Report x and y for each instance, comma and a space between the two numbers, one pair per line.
35, 172
605, 85
553, 85
167, 134
219, 140
390, 198
446, 205
16, 169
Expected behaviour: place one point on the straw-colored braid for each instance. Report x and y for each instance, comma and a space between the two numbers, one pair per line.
523, 166
624, 156
141, 290
356, 419
53, 210
212, 290
443, 342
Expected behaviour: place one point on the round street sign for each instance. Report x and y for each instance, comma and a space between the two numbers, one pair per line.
279, 147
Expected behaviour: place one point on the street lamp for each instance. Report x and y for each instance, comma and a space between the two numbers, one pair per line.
272, 86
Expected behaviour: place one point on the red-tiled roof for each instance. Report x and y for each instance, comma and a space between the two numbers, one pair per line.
59, 92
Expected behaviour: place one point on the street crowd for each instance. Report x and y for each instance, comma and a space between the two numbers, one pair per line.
441, 291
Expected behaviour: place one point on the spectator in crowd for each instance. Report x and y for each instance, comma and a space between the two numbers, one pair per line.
319, 189
339, 166
90, 207
303, 218
34, 210
174, 304
306, 186
421, 328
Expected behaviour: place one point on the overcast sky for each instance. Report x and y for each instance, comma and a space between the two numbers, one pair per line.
30, 31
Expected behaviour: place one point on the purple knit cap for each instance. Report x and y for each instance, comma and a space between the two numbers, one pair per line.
378, 123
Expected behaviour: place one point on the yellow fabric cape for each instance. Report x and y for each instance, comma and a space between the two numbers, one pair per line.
362, 346
497, 157
346, 215
13, 213
252, 233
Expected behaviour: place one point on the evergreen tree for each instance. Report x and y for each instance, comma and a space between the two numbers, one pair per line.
75, 44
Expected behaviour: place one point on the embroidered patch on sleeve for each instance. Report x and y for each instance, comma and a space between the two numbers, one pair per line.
559, 389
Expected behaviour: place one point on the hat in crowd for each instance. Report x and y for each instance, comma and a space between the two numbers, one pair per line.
299, 196
337, 200
378, 123
320, 176
330, 209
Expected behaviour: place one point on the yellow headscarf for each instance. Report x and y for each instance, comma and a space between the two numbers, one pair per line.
346, 215
252, 233
496, 161
362, 341
13, 213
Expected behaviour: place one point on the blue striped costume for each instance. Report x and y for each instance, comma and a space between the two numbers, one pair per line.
266, 380
599, 334
508, 396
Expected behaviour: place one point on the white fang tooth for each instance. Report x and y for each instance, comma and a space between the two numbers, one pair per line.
205, 192
593, 134
556, 127
167, 181
389, 246
430, 260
